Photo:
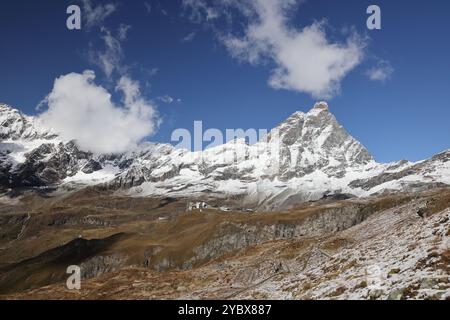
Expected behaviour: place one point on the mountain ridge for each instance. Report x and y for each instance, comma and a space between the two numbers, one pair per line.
306, 157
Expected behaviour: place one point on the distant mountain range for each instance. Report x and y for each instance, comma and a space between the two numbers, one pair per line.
307, 157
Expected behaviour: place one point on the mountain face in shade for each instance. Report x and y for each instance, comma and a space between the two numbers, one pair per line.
308, 156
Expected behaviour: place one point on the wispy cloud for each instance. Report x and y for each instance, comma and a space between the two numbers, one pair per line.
190, 37
122, 32
381, 72
95, 15
148, 6
110, 57
200, 10
155, 6
168, 99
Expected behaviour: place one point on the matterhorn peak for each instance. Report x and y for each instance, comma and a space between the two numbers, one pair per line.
322, 105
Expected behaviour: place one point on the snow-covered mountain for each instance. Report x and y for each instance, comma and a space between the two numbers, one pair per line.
308, 156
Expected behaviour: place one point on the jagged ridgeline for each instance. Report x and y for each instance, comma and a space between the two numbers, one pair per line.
315, 157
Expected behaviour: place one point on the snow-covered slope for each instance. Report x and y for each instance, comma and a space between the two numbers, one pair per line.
306, 157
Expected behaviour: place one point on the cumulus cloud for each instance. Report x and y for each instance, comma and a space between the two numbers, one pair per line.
305, 59
80, 110
96, 15
381, 72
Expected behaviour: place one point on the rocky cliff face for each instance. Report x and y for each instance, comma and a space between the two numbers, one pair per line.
306, 157
231, 236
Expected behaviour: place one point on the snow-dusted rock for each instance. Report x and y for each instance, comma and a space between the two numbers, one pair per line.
306, 157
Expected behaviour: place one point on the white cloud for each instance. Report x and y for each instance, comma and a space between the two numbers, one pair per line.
305, 59
150, 72
155, 6
148, 6
382, 72
80, 110
189, 37
96, 15
123, 31
200, 10
110, 58
166, 99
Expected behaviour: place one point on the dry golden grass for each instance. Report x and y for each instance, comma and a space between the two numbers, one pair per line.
295, 248
335, 244
438, 203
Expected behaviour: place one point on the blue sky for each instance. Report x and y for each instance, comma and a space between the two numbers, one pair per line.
171, 51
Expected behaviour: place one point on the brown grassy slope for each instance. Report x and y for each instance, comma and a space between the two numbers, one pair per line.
157, 244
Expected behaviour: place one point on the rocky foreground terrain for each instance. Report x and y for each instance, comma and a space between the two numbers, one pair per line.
382, 247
